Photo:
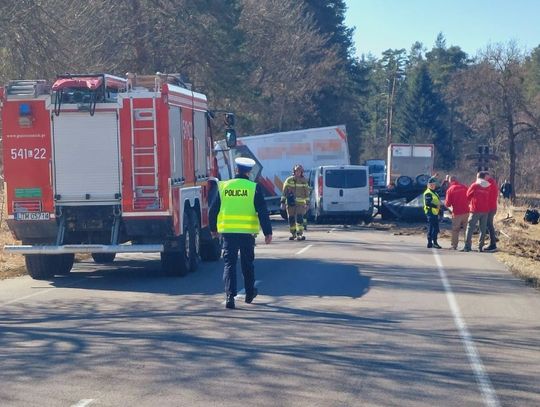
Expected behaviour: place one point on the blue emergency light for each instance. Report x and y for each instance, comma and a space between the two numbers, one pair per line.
24, 109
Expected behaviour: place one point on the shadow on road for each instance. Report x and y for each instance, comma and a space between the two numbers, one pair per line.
279, 277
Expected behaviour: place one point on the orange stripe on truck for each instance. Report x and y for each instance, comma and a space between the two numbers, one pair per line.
341, 134
327, 146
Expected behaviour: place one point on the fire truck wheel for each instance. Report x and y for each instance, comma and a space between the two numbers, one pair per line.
42, 266
103, 258
66, 263
195, 240
211, 250
174, 264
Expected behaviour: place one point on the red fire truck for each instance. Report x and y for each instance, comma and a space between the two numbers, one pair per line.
100, 164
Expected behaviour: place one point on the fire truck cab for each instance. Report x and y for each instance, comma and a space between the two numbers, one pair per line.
100, 164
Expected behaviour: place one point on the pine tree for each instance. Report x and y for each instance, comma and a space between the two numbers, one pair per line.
343, 101
423, 122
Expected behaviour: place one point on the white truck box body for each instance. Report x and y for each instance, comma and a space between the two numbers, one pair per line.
277, 153
409, 160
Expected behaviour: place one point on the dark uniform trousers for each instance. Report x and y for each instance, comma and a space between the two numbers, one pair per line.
232, 244
433, 227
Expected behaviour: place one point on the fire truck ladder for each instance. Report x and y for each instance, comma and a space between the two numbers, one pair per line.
144, 158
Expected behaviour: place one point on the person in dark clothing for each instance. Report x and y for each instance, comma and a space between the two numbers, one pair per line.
237, 212
506, 192
432, 205
441, 191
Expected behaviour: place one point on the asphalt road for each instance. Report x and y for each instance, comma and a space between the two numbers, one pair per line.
350, 317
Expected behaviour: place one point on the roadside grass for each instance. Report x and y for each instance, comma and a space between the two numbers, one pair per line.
519, 244
11, 265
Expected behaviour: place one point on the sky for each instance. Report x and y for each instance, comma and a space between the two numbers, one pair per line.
469, 24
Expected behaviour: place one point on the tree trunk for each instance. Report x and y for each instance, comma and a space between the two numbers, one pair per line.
141, 52
511, 144
512, 154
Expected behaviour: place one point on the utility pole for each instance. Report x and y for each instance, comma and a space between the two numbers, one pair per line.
390, 111
482, 158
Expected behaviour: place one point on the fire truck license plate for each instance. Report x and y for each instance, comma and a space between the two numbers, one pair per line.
32, 216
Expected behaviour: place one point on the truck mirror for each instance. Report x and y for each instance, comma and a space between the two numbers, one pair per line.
230, 137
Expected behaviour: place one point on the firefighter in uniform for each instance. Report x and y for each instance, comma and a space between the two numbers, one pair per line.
432, 206
295, 199
236, 213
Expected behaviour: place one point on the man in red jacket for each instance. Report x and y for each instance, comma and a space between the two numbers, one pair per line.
478, 196
456, 200
493, 197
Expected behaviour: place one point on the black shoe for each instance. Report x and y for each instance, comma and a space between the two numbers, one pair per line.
249, 298
436, 245
491, 248
292, 237
229, 302
429, 245
300, 237
465, 249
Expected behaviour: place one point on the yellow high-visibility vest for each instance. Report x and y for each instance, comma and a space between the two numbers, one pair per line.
237, 211
435, 201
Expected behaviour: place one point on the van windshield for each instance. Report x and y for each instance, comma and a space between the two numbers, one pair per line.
345, 178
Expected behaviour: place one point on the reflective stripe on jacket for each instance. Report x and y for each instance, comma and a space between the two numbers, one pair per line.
237, 213
431, 202
298, 188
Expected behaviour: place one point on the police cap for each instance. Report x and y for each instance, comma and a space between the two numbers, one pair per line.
244, 164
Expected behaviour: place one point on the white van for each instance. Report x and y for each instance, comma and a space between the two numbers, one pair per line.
341, 191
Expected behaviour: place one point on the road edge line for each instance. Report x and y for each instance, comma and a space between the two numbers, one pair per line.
484, 383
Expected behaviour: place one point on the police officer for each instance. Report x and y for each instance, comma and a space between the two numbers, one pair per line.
432, 206
236, 213
295, 199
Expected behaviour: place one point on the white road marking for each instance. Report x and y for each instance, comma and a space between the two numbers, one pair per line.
44, 290
27, 296
83, 403
304, 249
482, 378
